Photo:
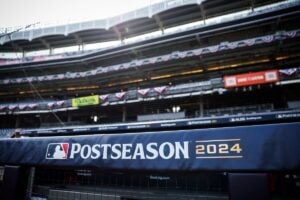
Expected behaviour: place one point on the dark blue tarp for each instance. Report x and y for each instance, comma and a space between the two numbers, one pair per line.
259, 147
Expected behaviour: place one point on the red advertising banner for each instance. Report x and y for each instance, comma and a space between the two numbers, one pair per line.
251, 78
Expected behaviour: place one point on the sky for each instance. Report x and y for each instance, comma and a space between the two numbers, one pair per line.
24, 12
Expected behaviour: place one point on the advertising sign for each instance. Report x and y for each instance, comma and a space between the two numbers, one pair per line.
257, 147
251, 78
85, 101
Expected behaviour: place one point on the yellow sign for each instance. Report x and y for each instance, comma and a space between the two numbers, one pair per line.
85, 101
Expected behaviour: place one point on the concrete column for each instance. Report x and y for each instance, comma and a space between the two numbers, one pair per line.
124, 114
51, 51
17, 124
201, 108
30, 182
80, 47
69, 117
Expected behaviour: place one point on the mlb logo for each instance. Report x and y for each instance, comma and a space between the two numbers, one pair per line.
271, 76
230, 81
57, 151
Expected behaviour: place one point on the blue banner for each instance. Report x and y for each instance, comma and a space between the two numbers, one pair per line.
259, 147
180, 123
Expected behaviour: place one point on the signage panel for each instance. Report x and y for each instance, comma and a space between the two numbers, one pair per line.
251, 78
257, 147
85, 101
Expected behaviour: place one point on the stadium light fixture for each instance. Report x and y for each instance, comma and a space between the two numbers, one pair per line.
95, 118
176, 109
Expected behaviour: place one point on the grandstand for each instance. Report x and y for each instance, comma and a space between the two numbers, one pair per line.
165, 76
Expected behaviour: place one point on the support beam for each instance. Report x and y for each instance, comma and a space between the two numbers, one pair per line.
16, 47
159, 23
78, 39
119, 34
124, 113
51, 51
198, 39
17, 124
30, 183
203, 13
45, 43
252, 2
201, 107
69, 117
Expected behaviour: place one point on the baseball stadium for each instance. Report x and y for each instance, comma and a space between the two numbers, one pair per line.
181, 99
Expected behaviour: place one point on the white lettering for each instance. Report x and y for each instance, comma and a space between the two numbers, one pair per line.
183, 149
162, 150
85, 148
116, 149
105, 147
139, 151
151, 151
151, 148
75, 149
96, 151
126, 149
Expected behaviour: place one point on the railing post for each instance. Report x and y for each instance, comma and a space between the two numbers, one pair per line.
30, 183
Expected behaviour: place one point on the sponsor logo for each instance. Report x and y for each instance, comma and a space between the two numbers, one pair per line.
57, 151
203, 149
255, 78
150, 151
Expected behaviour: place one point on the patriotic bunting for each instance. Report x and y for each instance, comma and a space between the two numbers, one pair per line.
160, 90
12, 107
60, 76
143, 92
50, 105
268, 38
232, 45
198, 52
32, 106
22, 106
291, 34
73, 75
120, 95
250, 42
50, 77
213, 49
60, 103
29, 79
288, 71
152, 60
115, 67
103, 97
2, 107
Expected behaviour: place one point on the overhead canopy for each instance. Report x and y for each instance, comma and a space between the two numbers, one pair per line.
158, 16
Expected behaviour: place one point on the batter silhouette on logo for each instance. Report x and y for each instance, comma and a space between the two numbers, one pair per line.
59, 153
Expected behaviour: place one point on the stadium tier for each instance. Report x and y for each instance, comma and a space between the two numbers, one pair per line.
182, 99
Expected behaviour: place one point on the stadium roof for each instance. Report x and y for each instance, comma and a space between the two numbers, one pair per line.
158, 16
